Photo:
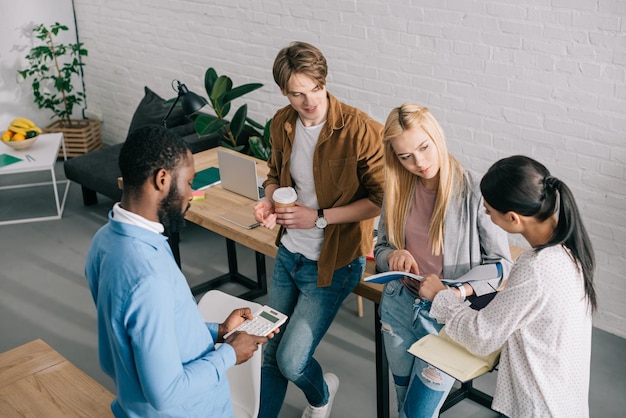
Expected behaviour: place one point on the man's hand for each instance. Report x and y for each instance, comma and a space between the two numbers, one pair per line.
264, 213
296, 217
235, 318
244, 345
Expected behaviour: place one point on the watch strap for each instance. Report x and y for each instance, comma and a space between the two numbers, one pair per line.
461, 288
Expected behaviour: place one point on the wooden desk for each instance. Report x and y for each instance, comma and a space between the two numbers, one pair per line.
37, 381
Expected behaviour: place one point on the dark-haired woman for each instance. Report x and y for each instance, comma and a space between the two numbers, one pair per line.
542, 319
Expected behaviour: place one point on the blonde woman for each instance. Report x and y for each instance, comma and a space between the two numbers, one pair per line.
432, 222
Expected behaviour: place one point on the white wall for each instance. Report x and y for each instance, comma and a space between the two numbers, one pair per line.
16, 94
546, 79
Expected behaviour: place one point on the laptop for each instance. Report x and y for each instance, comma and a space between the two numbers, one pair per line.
238, 174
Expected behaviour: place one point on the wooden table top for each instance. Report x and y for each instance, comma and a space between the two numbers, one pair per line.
37, 381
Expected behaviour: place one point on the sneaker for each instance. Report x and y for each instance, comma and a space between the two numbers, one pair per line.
332, 381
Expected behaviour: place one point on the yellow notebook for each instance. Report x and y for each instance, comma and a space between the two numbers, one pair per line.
452, 358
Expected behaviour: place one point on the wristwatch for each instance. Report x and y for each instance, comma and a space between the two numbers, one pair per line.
321, 221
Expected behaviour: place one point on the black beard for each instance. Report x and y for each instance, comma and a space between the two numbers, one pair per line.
169, 211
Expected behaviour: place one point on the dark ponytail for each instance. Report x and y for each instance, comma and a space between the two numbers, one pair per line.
525, 186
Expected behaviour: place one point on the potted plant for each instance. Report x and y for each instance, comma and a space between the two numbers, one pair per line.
260, 145
221, 93
53, 68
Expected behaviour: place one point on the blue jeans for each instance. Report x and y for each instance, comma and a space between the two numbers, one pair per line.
420, 388
311, 309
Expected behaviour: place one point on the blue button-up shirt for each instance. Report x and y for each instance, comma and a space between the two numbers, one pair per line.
153, 341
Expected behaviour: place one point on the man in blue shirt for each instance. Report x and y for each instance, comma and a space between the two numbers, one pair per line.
153, 341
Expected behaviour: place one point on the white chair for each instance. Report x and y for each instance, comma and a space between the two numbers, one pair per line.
244, 379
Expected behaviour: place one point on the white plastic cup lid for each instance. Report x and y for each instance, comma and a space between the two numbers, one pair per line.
285, 195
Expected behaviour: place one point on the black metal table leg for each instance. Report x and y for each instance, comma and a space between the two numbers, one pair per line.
382, 370
466, 391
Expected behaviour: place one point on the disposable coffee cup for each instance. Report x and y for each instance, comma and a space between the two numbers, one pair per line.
284, 197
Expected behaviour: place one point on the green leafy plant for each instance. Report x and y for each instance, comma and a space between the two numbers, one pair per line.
261, 146
53, 68
221, 93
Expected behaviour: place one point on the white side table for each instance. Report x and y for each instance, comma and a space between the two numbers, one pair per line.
41, 156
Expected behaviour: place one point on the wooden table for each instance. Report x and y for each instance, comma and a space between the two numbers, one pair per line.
37, 381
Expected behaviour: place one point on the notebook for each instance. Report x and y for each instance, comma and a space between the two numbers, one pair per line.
6, 159
206, 178
242, 216
238, 174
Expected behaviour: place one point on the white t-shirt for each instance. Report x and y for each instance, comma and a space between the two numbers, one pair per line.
307, 242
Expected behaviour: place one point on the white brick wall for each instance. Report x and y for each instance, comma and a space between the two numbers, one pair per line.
547, 79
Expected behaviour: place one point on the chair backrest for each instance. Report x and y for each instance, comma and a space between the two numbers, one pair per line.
244, 379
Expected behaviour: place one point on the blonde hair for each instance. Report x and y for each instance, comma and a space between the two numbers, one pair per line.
302, 58
400, 183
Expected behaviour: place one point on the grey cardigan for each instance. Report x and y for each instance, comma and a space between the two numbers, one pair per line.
473, 238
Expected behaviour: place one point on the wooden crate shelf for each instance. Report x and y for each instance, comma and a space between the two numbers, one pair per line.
82, 137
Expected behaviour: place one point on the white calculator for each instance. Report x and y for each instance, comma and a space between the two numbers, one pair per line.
264, 322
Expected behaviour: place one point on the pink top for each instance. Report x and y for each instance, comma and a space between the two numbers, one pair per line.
416, 232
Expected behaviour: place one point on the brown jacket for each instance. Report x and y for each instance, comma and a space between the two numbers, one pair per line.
347, 166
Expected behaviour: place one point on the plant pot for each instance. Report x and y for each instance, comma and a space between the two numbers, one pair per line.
83, 136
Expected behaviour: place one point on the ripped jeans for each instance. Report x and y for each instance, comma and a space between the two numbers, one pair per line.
420, 388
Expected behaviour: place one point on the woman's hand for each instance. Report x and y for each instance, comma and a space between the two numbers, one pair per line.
430, 286
402, 260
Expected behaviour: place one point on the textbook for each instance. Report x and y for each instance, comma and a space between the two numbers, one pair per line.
388, 276
452, 358
482, 272
206, 178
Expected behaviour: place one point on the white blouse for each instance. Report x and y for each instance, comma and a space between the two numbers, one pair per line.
542, 321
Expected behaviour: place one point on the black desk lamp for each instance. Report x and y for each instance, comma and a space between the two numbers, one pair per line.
191, 104
191, 101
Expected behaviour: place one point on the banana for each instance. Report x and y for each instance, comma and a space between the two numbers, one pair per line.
36, 129
23, 123
17, 129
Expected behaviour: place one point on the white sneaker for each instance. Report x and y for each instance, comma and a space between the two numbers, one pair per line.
332, 381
